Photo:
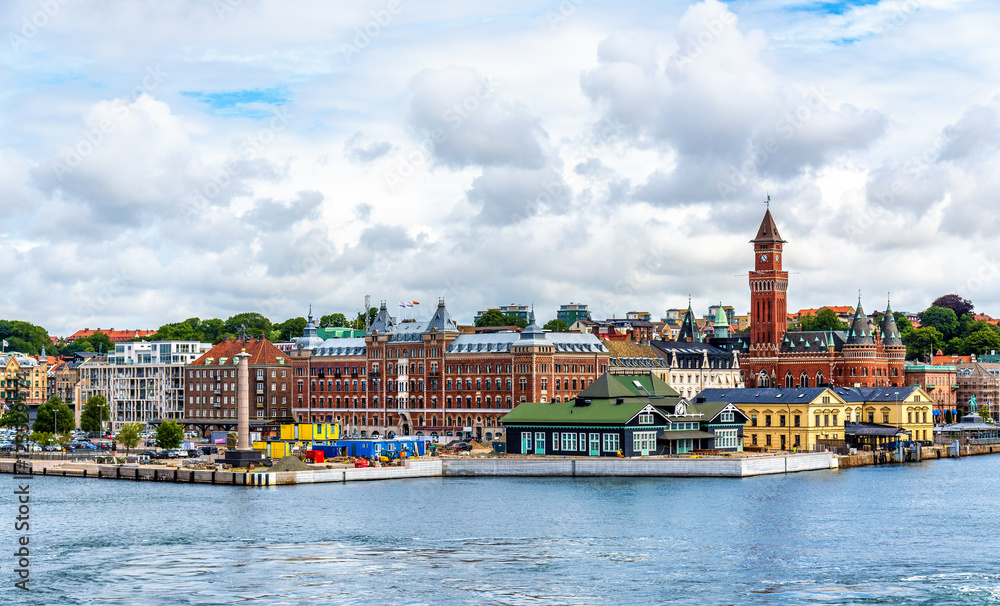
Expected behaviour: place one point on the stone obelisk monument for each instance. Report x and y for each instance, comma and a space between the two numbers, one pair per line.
243, 402
244, 452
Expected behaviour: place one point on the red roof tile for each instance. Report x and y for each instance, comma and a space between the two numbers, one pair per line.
262, 353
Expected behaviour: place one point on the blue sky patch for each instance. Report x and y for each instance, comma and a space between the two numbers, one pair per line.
248, 103
831, 7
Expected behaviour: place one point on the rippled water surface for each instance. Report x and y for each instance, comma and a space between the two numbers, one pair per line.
916, 534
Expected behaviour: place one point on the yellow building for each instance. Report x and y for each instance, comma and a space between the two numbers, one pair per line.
31, 373
799, 418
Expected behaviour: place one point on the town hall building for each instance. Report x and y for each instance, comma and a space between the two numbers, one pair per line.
773, 356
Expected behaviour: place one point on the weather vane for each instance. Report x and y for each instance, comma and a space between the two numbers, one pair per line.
243, 332
767, 202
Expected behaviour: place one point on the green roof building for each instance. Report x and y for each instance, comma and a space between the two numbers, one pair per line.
626, 414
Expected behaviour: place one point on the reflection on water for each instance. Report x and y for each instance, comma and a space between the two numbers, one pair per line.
887, 535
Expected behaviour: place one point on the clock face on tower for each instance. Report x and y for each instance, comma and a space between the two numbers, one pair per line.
763, 257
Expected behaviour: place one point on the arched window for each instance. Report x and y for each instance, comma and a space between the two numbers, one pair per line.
789, 380
804, 379
763, 380
820, 379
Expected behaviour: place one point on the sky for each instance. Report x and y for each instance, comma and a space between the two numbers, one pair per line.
160, 161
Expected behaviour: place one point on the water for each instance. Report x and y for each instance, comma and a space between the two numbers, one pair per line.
915, 534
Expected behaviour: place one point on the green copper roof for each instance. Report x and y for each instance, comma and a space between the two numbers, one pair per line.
599, 411
623, 386
720, 317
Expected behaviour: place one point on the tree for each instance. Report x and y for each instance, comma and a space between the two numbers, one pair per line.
825, 319
556, 325
129, 435
333, 320
169, 435
290, 329
922, 340
978, 342
943, 319
902, 322
94, 413
25, 337
255, 324
42, 438
495, 317
53, 416
359, 322
961, 307
16, 415
984, 412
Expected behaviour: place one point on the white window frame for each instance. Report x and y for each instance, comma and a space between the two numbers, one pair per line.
646, 418
644, 438
612, 442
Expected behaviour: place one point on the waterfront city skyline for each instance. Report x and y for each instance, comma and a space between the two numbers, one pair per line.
205, 160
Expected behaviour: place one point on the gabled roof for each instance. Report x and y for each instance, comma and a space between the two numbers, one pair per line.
441, 320
262, 352
610, 386
114, 335
711, 410
569, 412
768, 231
383, 322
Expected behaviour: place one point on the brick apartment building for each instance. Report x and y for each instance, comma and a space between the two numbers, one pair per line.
428, 378
210, 383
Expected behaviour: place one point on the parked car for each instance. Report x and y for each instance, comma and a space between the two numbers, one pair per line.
462, 447
191, 452
209, 450
149, 454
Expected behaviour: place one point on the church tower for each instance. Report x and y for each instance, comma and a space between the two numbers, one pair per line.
768, 285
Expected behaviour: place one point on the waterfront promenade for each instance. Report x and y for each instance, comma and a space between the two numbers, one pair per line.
706, 467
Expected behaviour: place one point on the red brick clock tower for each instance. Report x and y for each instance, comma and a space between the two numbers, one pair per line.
768, 285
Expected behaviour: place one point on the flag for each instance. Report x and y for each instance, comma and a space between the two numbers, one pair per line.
5, 343
401, 304
409, 304
416, 302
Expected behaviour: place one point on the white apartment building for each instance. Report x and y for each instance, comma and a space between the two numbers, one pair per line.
142, 380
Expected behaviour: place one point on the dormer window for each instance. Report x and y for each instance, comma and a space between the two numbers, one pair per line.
727, 416
646, 419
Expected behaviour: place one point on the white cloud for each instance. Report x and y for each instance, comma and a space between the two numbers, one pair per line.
616, 157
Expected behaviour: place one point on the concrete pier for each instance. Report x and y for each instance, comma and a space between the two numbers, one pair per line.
580, 467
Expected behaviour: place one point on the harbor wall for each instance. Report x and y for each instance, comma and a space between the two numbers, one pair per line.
587, 467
